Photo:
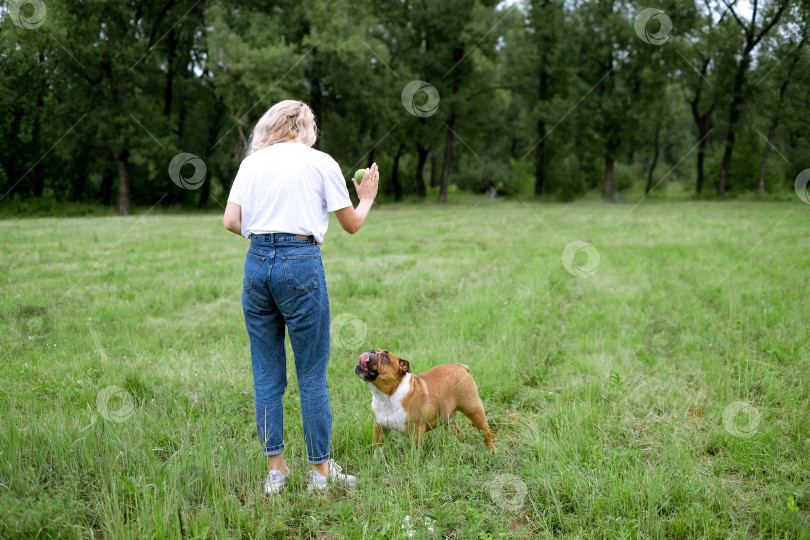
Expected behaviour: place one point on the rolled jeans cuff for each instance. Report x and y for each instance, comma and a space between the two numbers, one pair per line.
274, 451
319, 460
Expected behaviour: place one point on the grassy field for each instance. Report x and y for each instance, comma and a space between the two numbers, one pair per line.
653, 383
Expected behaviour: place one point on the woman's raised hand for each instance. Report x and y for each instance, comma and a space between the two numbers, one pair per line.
367, 188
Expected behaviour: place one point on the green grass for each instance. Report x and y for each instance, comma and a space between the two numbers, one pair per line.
605, 394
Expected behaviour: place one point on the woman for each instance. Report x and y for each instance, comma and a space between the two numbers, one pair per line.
280, 199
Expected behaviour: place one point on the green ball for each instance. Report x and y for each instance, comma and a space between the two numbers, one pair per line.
359, 175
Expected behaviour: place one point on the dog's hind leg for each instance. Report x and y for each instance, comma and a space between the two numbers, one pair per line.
453, 425
475, 412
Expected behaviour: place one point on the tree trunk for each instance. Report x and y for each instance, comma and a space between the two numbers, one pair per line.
751, 40
13, 166
734, 115
170, 61
448, 158
775, 122
395, 175
763, 166
213, 132
205, 191
434, 170
315, 92
38, 174
631, 157
540, 154
422, 155
78, 183
655, 157
540, 159
105, 190
123, 183
703, 123
607, 193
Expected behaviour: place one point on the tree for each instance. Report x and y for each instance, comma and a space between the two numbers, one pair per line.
544, 72
626, 76
753, 34
539, 95
700, 48
784, 61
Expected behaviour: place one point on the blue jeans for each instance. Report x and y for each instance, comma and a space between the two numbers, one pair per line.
284, 284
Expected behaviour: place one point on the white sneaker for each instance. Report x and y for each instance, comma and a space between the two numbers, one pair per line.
275, 481
334, 476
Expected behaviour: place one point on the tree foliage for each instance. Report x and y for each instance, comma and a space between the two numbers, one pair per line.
543, 97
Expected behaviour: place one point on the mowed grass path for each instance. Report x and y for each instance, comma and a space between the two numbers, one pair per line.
126, 397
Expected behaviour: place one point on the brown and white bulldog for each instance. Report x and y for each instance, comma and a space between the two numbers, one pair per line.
415, 404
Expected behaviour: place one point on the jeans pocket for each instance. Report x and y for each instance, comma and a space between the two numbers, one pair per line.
252, 265
301, 272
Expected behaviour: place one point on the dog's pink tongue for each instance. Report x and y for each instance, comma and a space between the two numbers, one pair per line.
364, 359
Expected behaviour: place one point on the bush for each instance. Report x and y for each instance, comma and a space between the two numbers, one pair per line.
565, 178
18, 207
478, 175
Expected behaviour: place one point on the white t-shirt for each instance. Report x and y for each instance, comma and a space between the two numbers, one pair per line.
288, 188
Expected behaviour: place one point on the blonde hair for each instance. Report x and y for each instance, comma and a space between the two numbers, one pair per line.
288, 120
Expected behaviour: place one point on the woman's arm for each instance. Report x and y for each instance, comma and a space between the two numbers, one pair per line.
233, 218
350, 218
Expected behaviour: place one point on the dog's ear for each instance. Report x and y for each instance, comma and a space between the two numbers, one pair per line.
404, 366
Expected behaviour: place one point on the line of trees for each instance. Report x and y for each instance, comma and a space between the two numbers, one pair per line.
538, 96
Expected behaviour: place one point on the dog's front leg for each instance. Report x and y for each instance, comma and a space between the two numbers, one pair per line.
378, 436
378, 441
417, 432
